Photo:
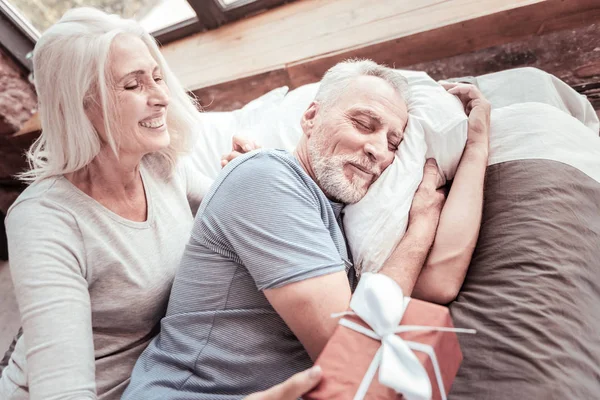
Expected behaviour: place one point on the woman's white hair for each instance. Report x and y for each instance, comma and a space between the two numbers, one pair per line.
70, 72
337, 79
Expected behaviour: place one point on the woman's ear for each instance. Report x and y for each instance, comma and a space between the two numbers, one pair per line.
308, 118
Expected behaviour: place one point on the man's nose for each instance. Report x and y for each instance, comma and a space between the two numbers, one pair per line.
376, 149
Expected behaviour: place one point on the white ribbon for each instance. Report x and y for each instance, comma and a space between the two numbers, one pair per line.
399, 367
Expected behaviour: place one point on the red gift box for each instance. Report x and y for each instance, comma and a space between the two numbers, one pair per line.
348, 354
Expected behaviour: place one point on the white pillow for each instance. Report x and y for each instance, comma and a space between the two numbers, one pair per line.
377, 223
532, 85
523, 128
534, 130
437, 127
218, 128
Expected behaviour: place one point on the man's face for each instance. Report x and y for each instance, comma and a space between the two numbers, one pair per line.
351, 142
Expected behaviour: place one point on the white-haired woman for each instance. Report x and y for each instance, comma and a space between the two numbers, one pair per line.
95, 239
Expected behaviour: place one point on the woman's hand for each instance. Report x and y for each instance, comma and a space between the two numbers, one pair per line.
239, 146
478, 109
293, 388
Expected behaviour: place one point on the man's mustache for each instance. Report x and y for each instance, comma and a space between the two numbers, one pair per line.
365, 165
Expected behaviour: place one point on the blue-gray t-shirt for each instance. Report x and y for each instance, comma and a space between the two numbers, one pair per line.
264, 224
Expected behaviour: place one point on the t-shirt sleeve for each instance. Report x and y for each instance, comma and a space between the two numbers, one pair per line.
266, 217
48, 270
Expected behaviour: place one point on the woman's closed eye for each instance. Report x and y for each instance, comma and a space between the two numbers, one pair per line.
132, 85
137, 84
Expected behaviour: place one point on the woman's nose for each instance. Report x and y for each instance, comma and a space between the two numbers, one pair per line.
159, 96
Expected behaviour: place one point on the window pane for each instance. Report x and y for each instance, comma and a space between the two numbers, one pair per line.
166, 13
152, 14
227, 3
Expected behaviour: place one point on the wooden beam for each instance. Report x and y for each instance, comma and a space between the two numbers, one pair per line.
242, 91
573, 55
522, 31
31, 125
526, 36
307, 29
462, 38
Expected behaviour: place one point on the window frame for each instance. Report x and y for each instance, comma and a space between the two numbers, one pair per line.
212, 14
19, 37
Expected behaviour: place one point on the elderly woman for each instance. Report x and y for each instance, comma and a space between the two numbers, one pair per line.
96, 238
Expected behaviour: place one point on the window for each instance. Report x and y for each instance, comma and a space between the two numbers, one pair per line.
227, 3
153, 15
21, 21
213, 13
17, 35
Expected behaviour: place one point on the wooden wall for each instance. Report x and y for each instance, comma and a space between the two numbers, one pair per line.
296, 44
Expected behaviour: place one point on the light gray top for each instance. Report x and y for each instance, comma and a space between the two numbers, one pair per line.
91, 286
264, 224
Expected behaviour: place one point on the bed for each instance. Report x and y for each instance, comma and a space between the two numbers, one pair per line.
533, 287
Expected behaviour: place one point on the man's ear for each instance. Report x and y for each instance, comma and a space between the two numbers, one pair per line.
309, 118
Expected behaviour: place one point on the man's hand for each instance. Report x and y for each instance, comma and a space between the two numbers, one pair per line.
428, 202
239, 146
456, 236
293, 388
478, 109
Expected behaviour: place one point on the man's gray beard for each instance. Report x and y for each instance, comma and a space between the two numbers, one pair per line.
330, 176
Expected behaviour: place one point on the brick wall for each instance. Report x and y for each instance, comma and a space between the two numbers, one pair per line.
17, 104
17, 97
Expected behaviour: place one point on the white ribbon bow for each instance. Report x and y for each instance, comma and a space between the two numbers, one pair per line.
379, 301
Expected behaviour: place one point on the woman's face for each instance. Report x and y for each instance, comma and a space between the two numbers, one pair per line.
141, 98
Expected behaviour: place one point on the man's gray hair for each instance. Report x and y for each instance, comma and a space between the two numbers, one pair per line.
337, 79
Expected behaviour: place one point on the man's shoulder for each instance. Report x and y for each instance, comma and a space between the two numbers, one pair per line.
269, 161
263, 170
260, 178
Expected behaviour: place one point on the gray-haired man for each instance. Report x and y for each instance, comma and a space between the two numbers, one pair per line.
267, 261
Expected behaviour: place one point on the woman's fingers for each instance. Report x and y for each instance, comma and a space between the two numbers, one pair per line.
243, 144
239, 146
228, 157
293, 388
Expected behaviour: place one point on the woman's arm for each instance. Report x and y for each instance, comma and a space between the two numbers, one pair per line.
444, 272
48, 270
196, 183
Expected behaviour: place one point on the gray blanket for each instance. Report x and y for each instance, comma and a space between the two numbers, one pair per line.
533, 287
